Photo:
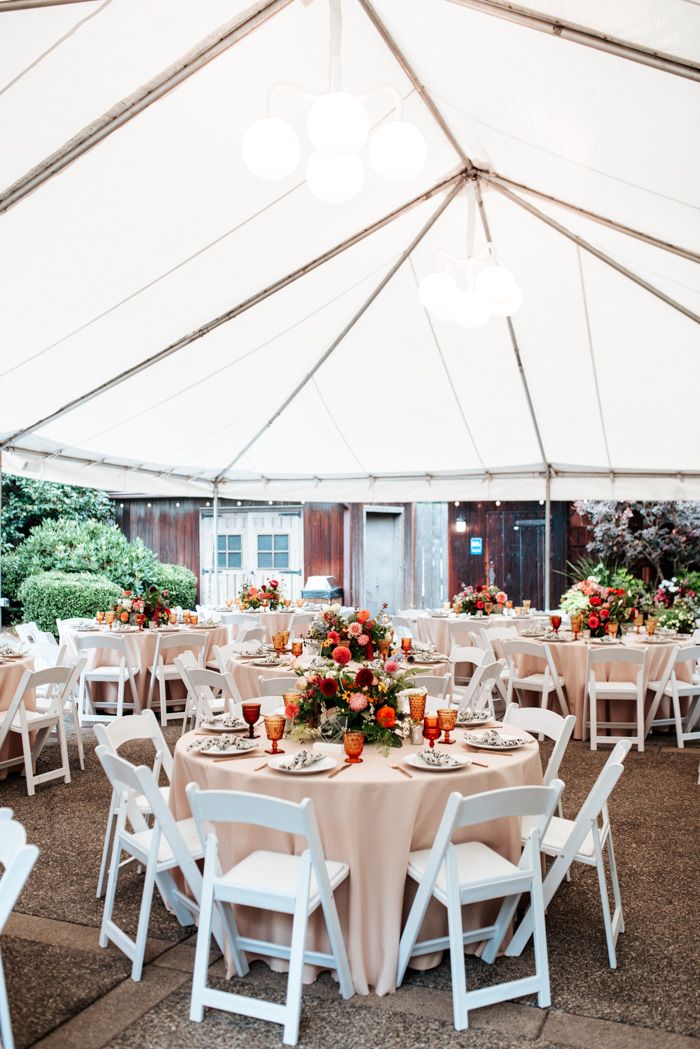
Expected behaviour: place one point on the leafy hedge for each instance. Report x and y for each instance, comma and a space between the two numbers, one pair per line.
49, 596
179, 581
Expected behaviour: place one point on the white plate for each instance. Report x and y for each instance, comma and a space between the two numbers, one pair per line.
227, 752
525, 737
324, 765
218, 727
266, 663
474, 723
416, 762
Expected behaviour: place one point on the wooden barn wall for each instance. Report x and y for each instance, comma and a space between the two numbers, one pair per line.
324, 540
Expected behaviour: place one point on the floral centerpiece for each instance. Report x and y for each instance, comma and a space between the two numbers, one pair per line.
677, 602
266, 596
479, 598
358, 632
599, 605
155, 605
126, 606
365, 698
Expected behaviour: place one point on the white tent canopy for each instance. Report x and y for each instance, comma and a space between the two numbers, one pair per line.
172, 322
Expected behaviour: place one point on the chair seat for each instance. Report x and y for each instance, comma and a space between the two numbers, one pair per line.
190, 836
536, 681
557, 835
277, 873
170, 672
35, 718
143, 804
109, 673
621, 689
476, 863
683, 688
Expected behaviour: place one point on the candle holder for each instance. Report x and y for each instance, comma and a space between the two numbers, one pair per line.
251, 712
431, 728
354, 742
447, 718
274, 729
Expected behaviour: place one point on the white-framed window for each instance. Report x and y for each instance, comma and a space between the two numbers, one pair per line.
273, 550
229, 551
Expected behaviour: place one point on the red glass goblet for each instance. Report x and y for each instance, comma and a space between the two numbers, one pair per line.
251, 712
431, 728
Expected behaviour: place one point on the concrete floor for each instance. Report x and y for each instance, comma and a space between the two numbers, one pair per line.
66, 992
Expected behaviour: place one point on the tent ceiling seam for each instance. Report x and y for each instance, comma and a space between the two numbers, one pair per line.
135, 103
448, 375
334, 422
351, 323
578, 34
591, 352
235, 311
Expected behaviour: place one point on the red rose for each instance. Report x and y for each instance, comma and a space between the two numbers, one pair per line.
363, 678
478, 588
386, 717
274, 583
334, 636
596, 600
480, 604
604, 613
342, 655
329, 687
593, 622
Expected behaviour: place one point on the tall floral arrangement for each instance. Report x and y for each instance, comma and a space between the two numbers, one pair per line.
599, 605
677, 602
364, 698
269, 595
357, 633
473, 599
154, 603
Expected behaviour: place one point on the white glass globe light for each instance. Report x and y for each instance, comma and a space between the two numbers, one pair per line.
337, 123
271, 148
438, 292
397, 151
508, 304
471, 311
495, 284
335, 177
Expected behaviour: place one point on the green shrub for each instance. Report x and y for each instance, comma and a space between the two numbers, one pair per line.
179, 581
49, 596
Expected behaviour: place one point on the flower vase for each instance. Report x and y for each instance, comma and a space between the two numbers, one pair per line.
369, 650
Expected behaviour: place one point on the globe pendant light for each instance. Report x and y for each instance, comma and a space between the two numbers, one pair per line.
471, 311
397, 151
438, 293
498, 288
337, 123
335, 178
271, 148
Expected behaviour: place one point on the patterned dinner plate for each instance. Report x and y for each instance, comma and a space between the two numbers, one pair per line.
488, 741
437, 761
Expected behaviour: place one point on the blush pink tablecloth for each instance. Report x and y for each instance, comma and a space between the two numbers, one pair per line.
10, 677
246, 674
371, 818
570, 657
141, 648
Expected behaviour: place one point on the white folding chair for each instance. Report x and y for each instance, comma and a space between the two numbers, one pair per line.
167, 847
669, 687
67, 633
163, 672
479, 692
251, 633
541, 682
273, 881
208, 691
584, 840
17, 860
223, 655
141, 727
459, 633
17, 719
469, 872
301, 623
276, 686
544, 723
465, 657
615, 690
44, 656
438, 686
403, 627
107, 674
29, 633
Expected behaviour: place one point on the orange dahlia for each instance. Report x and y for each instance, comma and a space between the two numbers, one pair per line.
386, 717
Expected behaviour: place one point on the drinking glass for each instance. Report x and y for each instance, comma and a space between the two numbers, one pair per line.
431, 728
613, 627
186, 616
110, 617
251, 712
416, 706
527, 605
576, 623
173, 618
291, 699
278, 643
229, 602
297, 648
488, 608
651, 625
555, 622
518, 610
100, 617
384, 647
406, 645
299, 603
140, 620
447, 717
354, 742
194, 619
274, 729
638, 621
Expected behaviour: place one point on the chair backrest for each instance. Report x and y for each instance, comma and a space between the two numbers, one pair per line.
61, 682
187, 640
547, 723
482, 684
498, 632
113, 642
223, 654
119, 731
301, 623
616, 654
596, 804
251, 633
403, 621
275, 686
203, 685
436, 684
17, 859
459, 632
517, 646
687, 654
46, 655
467, 654
28, 632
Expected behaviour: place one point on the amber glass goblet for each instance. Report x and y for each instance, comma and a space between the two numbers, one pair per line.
186, 616
297, 648
576, 624
100, 617
416, 706
278, 642
229, 602
651, 625
110, 617
638, 622
140, 620
447, 717
555, 622
527, 605
173, 618
406, 645
251, 712
354, 742
431, 728
274, 729
384, 647
613, 627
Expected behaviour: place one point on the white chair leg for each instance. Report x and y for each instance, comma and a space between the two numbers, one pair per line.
5, 1022
163, 697
63, 747
145, 912
77, 728
28, 763
605, 904
290, 1034
136, 706
337, 944
454, 922
111, 883
120, 693
677, 716
201, 954
544, 996
640, 723
151, 685
593, 706
106, 849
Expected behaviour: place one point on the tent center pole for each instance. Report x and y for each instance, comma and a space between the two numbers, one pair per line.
216, 543
548, 541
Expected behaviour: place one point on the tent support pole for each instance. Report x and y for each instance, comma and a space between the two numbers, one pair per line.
128, 108
548, 542
526, 206
242, 307
0, 539
23, 5
349, 326
216, 543
579, 34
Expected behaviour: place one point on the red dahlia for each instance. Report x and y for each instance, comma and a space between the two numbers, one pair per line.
329, 687
363, 677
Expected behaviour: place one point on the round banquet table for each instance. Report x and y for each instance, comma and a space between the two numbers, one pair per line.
141, 650
246, 674
371, 818
435, 629
571, 656
297, 623
10, 676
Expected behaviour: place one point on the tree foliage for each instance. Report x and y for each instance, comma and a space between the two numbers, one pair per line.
662, 535
27, 503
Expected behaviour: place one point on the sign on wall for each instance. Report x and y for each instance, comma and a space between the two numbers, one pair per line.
476, 545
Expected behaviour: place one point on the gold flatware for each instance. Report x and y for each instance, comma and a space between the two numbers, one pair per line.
403, 771
496, 753
258, 767
336, 772
480, 764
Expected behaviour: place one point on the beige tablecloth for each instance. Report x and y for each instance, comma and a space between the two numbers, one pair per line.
246, 674
141, 648
570, 657
371, 818
10, 676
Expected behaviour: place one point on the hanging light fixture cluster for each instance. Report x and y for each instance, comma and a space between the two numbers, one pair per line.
338, 129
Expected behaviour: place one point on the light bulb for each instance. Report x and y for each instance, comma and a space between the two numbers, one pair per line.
438, 293
271, 148
337, 123
335, 177
495, 284
471, 311
397, 151
509, 304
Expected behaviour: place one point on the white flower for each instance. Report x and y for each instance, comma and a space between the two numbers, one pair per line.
126, 603
302, 682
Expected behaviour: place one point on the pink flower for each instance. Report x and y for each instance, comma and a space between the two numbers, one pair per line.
342, 655
391, 666
354, 630
357, 702
362, 639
